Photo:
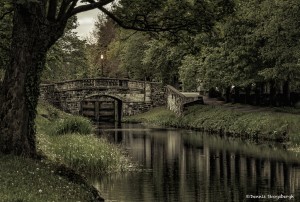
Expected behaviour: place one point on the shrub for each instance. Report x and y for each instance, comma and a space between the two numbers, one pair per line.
71, 124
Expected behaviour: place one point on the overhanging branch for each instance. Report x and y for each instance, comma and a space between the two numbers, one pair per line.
90, 6
146, 28
52, 8
63, 8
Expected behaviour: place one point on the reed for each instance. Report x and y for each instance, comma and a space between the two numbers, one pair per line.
71, 124
86, 154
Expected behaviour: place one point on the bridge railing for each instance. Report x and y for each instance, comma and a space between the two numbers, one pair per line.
80, 84
89, 83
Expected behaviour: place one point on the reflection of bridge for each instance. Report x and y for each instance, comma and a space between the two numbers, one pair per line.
104, 98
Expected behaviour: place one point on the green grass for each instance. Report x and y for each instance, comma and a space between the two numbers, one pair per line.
60, 137
72, 124
27, 180
69, 148
252, 125
86, 154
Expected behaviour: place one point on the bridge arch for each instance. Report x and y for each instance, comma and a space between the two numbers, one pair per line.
113, 96
102, 107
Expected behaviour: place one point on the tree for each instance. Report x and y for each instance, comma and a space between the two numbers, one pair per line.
5, 34
280, 52
256, 48
165, 58
66, 59
105, 33
37, 25
133, 46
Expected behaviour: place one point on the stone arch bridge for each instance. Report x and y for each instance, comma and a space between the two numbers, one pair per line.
104, 98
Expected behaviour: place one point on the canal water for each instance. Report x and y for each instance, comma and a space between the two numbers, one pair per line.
187, 166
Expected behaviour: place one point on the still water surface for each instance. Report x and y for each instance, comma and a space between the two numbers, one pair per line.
187, 166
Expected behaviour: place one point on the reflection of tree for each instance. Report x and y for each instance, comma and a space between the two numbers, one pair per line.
193, 170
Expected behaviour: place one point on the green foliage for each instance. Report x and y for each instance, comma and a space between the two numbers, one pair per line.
153, 56
176, 17
164, 58
67, 58
61, 122
257, 43
132, 53
280, 32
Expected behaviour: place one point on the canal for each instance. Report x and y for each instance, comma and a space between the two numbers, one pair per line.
187, 166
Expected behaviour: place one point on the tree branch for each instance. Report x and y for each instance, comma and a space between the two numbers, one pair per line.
90, 6
146, 27
62, 10
52, 8
6, 13
66, 15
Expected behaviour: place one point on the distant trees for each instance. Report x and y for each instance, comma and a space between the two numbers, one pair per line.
256, 49
67, 59
155, 55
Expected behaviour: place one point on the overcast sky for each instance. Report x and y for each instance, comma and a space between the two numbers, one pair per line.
86, 22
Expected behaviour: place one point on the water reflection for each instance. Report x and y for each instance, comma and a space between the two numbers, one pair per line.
188, 166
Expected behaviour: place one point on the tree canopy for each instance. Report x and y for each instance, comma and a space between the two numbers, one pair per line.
250, 45
38, 24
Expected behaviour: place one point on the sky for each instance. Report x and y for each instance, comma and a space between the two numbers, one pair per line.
86, 22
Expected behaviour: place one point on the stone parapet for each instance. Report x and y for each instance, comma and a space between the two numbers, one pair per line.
178, 101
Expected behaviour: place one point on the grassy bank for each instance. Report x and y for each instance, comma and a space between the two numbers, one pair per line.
27, 180
69, 148
70, 141
217, 119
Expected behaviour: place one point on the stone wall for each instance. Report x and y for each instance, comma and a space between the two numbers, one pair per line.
158, 95
136, 96
177, 101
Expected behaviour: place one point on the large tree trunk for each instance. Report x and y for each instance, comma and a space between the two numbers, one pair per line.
20, 87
